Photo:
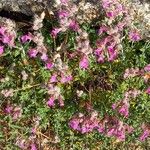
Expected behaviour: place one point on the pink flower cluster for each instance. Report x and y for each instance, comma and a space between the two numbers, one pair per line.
132, 72
110, 32
66, 15
54, 96
7, 36
122, 107
146, 132
7, 92
14, 111
84, 123
134, 35
109, 126
39, 49
113, 8
83, 48
24, 144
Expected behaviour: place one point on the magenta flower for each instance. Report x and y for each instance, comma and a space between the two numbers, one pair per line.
134, 36
101, 59
54, 32
49, 65
8, 39
74, 25
112, 53
124, 110
144, 135
63, 14
33, 146
1, 50
74, 124
84, 63
110, 14
50, 102
32, 53
103, 29
9, 109
26, 38
53, 78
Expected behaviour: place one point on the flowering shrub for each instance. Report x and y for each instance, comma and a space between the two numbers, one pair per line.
70, 84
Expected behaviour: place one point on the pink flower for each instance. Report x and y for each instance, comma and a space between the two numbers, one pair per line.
73, 25
44, 57
26, 38
110, 14
147, 67
144, 135
134, 36
61, 102
98, 51
114, 106
124, 110
112, 53
103, 29
148, 90
64, 1
74, 124
32, 53
2, 30
8, 109
49, 65
1, 50
17, 113
84, 63
50, 102
54, 32
63, 14
101, 59
33, 146
8, 39
53, 78
65, 79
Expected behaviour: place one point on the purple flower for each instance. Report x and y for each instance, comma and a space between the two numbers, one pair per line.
1, 50
84, 63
